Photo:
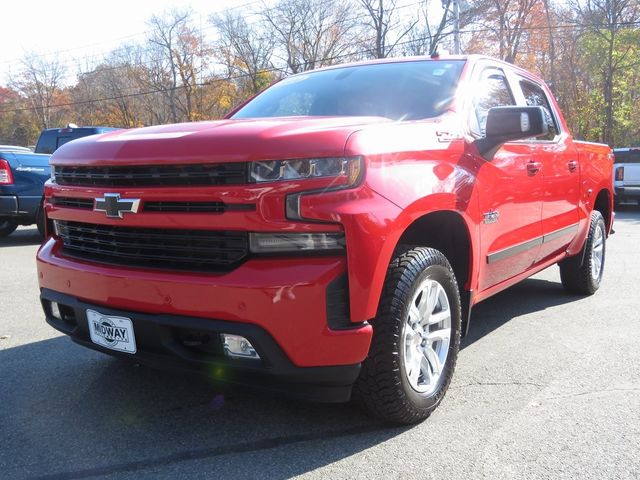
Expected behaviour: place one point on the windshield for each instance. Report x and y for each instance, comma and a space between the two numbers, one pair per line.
399, 91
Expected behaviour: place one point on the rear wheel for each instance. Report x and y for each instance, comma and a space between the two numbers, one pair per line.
416, 336
583, 273
7, 227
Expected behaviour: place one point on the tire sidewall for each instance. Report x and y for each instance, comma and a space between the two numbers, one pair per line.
40, 220
596, 222
443, 276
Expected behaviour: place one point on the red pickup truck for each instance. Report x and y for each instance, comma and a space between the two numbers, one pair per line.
331, 235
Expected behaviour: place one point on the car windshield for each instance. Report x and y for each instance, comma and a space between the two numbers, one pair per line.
399, 91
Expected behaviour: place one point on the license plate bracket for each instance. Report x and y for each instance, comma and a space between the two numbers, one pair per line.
112, 332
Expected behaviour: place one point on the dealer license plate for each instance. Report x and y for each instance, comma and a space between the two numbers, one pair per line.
111, 332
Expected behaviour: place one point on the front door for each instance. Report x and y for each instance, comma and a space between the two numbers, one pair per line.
509, 192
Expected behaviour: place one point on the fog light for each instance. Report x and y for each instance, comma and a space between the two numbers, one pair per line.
236, 346
55, 311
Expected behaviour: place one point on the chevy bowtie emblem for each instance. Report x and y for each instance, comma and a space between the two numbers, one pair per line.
115, 207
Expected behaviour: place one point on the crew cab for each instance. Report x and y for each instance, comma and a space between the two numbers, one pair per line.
329, 237
22, 176
626, 175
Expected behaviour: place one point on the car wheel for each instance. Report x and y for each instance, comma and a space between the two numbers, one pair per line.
583, 273
40, 220
416, 336
7, 227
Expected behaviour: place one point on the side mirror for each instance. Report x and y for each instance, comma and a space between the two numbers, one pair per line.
505, 124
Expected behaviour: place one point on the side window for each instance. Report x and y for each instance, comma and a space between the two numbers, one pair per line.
535, 97
493, 91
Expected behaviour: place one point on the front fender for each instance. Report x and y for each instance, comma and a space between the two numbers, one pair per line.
374, 225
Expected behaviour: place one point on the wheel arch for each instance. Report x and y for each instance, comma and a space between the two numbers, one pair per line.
603, 204
448, 232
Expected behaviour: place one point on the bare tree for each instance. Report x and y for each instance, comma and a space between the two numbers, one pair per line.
245, 50
426, 36
505, 24
178, 57
311, 33
40, 82
386, 26
113, 84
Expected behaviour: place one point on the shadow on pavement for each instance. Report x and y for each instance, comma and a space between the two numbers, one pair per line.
528, 296
22, 236
67, 412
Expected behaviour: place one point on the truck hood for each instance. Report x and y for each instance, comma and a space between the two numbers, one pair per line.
222, 141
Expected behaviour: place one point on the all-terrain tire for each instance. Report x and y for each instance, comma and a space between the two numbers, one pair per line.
383, 386
582, 273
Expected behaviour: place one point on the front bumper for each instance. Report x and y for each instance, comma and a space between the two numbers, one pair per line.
167, 341
288, 298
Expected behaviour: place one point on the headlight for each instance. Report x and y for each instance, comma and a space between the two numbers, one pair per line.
276, 170
295, 242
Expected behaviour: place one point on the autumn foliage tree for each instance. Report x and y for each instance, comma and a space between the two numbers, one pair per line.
185, 69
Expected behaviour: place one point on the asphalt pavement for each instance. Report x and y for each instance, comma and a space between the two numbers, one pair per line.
547, 387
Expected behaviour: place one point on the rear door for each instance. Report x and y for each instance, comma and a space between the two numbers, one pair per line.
560, 172
510, 191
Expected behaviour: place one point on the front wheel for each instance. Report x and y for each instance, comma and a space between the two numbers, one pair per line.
582, 274
416, 336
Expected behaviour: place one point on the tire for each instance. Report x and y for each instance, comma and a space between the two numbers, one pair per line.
582, 274
397, 382
40, 220
7, 227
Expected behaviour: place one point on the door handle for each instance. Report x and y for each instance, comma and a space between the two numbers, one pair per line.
533, 167
572, 165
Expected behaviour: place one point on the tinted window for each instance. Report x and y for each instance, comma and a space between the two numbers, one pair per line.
46, 142
535, 97
399, 91
62, 139
631, 156
51, 140
493, 91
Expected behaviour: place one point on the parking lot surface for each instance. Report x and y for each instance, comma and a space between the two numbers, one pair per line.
547, 387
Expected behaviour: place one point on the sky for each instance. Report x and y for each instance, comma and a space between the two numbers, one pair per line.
76, 30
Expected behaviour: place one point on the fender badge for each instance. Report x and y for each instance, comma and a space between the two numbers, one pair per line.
491, 217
